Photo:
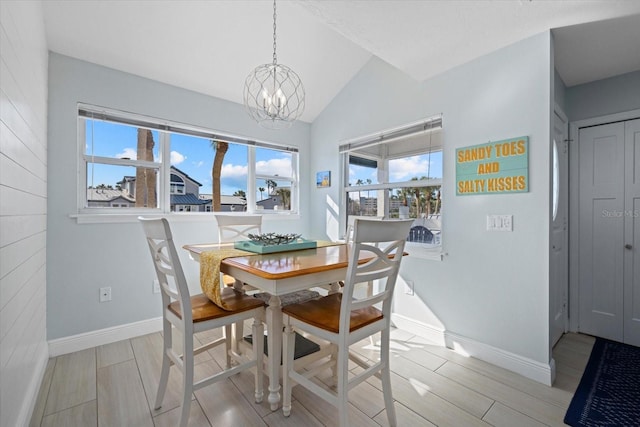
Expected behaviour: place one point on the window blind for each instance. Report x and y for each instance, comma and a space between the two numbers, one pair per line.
135, 120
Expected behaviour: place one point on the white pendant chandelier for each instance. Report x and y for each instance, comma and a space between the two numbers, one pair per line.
273, 93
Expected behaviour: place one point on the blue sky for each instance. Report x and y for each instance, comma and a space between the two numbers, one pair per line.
194, 156
401, 169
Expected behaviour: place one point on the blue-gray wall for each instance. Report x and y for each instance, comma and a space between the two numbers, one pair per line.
84, 257
560, 91
600, 98
491, 289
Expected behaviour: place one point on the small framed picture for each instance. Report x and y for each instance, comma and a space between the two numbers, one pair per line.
323, 179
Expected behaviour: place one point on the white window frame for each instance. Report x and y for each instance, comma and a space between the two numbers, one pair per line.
165, 128
432, 124
174, 185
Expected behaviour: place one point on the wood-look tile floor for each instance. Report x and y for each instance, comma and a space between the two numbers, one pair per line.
115, 385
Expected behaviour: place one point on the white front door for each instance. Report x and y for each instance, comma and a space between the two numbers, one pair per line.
559, 254
609, 204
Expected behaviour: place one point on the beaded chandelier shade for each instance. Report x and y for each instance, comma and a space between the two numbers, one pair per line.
273, 93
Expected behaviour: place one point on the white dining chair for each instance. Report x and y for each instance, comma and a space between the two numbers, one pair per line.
342, 320
191, 314
351, 219
232, 228
349, 237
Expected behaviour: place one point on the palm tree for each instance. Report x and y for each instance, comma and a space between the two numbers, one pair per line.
261, 190
271, 185
285, 195
240, 193
422, 196
220, 147
145, 177
359, 182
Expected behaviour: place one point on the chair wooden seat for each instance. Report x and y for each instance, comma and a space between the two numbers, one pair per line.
324, 313
203, 309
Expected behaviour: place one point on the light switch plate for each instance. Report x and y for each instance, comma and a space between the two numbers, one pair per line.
499, 222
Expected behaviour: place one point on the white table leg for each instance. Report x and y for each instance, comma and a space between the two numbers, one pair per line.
239, 329
274, 332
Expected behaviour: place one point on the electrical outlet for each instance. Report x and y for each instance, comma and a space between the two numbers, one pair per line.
408, 287
105, 294
156, 286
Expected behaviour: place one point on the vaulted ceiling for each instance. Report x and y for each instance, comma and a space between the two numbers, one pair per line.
211, 46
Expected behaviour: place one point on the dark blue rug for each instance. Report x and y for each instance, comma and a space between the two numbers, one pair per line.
609, 391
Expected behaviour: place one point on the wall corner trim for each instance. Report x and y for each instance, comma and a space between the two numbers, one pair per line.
529, 368
99, 337
28, 406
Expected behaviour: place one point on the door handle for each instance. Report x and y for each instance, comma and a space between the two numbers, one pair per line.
628, 246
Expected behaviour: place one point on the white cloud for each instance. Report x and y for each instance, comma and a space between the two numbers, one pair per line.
233, 171
128, 153
280, 167
177, 158
407, 168
198, 164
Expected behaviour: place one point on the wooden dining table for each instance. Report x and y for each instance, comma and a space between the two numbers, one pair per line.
279, 274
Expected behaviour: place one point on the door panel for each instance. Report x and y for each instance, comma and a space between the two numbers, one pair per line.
632, 234
601, 197
559, 251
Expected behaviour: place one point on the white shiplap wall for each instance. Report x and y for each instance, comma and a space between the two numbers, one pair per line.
23, 208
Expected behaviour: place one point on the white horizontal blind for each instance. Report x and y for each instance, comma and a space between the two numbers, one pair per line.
136, 120
396, 135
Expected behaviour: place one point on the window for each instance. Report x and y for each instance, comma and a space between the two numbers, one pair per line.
176, 184
131, 161
397, 174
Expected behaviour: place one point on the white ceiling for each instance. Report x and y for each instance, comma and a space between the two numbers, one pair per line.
211, 46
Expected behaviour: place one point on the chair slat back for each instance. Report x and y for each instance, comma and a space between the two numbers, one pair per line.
166, 262
385, 241
350, 222
237, 227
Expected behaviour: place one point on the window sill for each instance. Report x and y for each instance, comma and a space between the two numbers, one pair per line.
112, 218
432, 253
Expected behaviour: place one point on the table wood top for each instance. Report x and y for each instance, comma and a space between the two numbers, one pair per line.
282, 265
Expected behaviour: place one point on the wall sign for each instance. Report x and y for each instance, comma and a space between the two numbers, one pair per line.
493, 168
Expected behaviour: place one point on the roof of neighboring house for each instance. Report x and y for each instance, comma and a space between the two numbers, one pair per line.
187, 199
232, 200
104, 195
185, 175
225, 200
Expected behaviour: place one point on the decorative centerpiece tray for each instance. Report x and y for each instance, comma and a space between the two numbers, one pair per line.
271, 243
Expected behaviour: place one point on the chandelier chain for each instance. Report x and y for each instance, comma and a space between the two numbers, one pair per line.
275, 59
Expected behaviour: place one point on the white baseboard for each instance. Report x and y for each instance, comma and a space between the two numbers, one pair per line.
529, 368
91, 339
